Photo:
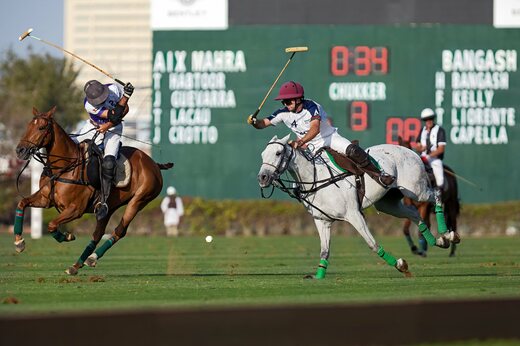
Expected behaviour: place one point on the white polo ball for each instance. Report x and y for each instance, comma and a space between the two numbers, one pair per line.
209, 239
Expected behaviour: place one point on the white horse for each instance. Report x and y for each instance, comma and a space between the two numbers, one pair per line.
329, 196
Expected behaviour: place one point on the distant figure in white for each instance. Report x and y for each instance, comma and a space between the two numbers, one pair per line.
173, 210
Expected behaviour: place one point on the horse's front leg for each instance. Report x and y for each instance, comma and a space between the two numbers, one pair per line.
356, 219
36, 200
72, 212
323, 227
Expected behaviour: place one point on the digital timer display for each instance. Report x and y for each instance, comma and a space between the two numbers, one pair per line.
359, 60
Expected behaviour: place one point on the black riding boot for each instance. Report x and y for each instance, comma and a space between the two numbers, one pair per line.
362, 160
108, 172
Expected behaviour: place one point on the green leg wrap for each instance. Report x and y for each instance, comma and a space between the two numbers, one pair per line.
60, 237
106, 245
386, 256
441, 223
88, 250
322, 269
18, 222
430, 239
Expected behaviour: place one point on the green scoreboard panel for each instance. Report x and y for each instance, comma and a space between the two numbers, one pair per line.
372, 80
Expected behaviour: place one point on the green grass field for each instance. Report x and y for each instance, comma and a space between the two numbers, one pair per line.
158, 272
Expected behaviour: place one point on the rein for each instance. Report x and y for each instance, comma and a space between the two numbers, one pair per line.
49, 165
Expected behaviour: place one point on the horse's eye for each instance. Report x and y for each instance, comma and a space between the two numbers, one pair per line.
278, 153
41, 128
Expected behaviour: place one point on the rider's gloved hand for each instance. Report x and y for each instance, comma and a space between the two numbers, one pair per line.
251, 120
128, 89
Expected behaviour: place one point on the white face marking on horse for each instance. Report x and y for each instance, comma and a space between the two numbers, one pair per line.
35, 121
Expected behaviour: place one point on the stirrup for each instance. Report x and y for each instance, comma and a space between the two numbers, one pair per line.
101, 210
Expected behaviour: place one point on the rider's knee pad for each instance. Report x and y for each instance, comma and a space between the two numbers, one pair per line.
109, 164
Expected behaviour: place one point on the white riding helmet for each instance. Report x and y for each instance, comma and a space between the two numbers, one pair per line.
427, 114
171, 190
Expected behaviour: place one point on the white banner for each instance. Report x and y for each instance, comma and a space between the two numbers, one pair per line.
506, 13
189, 14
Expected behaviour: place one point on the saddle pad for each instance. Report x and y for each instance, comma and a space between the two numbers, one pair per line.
342, 162
123, 171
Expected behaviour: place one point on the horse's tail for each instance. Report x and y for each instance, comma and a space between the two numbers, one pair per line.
165, 165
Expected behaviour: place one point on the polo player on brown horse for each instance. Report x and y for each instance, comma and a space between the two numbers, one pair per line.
65, 185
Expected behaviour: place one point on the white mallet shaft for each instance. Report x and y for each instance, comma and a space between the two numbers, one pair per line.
28, 33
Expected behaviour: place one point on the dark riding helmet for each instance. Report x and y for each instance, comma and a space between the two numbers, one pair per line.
290, 90
96, 92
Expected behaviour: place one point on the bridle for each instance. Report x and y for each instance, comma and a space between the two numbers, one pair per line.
284, 161
48, 128
296, 191
45, 159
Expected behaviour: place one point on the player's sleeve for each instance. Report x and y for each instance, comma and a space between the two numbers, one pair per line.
117, 89
418, 139
277, 117
441, 137
314, 109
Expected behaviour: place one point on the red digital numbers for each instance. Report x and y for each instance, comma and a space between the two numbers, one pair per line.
407, 128
339, 61
362, 60
380, 60
358, 116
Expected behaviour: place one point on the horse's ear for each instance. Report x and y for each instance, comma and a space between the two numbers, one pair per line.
51, 112
285, 139
35, 111
275, 137
400, 140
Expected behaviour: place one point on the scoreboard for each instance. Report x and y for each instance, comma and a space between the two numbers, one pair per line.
373, 81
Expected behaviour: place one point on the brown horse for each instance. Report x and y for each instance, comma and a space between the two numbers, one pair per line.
64, 185
450, 200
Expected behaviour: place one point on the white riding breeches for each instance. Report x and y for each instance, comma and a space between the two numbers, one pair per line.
110, 139
336, 142
438, 170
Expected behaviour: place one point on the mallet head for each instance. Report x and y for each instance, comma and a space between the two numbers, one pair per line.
296, 49
25, 34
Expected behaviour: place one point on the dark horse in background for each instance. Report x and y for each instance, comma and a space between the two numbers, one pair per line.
64, 184
450, 200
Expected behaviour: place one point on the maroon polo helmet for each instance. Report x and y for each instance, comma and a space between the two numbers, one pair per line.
290, 90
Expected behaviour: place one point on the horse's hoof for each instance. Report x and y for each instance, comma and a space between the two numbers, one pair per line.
71, 270
442, 242
69, 237
453, 237
91, 260
19, 245
402, 266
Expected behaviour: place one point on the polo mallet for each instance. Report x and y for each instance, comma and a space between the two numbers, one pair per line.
463, 179
292, 50
28, 34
